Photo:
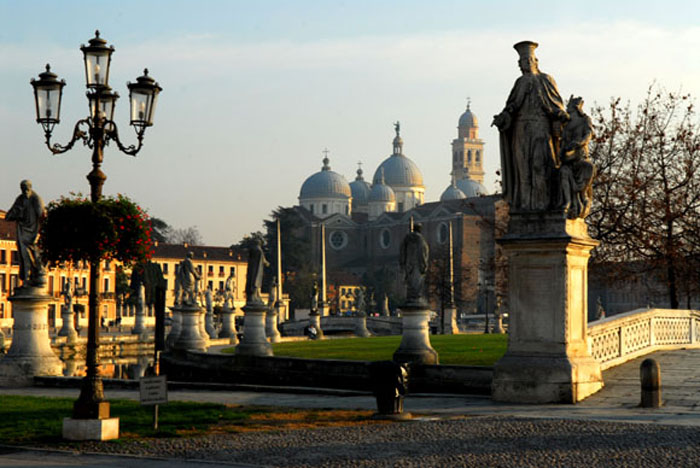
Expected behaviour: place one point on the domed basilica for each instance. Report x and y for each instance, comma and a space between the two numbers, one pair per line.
366, 222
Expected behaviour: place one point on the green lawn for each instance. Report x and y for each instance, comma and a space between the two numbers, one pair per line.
466, 350
25, 419
34, 421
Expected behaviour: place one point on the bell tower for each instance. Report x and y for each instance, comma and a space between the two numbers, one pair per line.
468, 148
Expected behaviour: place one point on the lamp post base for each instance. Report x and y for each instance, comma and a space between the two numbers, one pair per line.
90, 429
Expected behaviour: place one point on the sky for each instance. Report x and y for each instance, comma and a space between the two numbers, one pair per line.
254, 91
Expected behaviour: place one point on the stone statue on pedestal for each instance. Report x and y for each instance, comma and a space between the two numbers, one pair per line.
577, 171
360, 305
414, 263
187, 282
254, 276
68, 294
27, 211
530, 129
229, 291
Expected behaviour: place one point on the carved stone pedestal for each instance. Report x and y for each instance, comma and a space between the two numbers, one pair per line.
361, 325
315, 322
209, 323
271, 330
449, 321
30, 353
228, 325
175, 327
415, 341
254, 341
68, 325
202, 327
190, 336
139, 321
547, 360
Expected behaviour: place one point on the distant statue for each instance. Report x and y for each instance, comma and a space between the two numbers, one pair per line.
600, 312
27, 211
360, 301
208, 299
68, 294
254, 276
141, 297
229, 291
414, 263
188, 278
385, 306
314, 298
530, 128
577, 171
397, 127
272, 297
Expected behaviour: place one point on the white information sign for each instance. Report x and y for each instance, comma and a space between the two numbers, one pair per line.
154, 390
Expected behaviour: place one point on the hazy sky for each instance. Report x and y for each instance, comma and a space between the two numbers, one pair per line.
255, 90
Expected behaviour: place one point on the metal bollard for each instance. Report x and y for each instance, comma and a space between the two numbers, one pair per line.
390, 384
650, 376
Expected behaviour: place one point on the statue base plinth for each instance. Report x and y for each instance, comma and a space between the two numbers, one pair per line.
30, 353
415, 345
449, 321
361, 326
547, 359
271, 330
190, 337
67, 326
315, 321
228, 325
175, 327
90, 429
254, 342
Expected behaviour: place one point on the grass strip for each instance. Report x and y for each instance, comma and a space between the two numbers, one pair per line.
464, 349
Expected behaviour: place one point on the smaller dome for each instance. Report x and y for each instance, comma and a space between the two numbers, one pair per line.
471, 188
325, 184
382, 192
360, 189
468, 119
452, 193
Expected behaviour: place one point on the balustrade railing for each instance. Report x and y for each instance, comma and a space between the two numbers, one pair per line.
620, 338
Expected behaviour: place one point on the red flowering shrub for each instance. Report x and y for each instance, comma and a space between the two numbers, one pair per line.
113, 228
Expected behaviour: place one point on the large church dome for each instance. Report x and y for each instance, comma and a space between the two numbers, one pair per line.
399, 171
325, 184
360, 190
471, 188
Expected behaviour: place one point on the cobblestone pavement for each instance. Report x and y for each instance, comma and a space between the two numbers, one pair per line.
606, 430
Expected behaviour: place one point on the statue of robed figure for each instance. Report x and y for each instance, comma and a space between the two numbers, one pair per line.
414, 263
28, 211
254, 275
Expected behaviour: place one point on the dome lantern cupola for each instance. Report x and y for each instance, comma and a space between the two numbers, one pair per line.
360, 192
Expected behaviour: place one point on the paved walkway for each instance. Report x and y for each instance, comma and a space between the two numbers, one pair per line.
452, 419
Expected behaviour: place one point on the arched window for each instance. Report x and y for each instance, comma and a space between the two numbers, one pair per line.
478, 155
385, 238
469, 156
443, 233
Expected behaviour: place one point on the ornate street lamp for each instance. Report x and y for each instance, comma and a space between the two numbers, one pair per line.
95, 131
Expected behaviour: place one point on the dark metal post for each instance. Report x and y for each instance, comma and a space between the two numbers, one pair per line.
91, 403
650, 376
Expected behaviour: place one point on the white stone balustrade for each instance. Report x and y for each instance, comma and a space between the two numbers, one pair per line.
617, 339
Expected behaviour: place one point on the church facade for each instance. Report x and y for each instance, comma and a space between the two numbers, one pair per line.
366, 222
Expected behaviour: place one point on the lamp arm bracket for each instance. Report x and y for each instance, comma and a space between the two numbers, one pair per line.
113, 134
78, 134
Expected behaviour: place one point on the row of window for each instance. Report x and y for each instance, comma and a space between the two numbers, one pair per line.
459, 156
210, 269
324, 208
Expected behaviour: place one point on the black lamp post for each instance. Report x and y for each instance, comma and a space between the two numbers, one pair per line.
95, 131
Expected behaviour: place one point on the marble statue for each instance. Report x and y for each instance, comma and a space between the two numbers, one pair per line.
254, 276
68, 294
27, 211
530, 129
229, 290
272, 298
577, 171
188, 279
360, 301
208, 299
600, 311
314, 298
414, 263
